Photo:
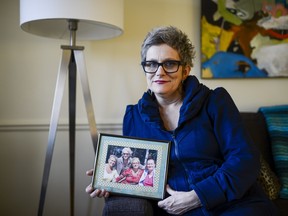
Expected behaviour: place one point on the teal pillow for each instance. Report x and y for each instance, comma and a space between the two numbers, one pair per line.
277, 124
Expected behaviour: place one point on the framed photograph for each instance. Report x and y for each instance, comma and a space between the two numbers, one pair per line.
131, 166
244, 39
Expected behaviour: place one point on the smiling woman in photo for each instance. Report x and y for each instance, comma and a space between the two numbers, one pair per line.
110, 173
147, 178
131, 175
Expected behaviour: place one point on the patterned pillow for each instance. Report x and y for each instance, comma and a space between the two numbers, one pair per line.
268, 180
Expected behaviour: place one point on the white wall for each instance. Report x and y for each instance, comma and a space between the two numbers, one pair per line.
28, 70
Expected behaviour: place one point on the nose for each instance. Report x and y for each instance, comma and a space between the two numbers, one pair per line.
160, 70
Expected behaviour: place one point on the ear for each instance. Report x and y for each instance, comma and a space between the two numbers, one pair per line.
186, 71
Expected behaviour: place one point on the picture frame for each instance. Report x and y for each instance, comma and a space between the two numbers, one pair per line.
124, 180
244, 39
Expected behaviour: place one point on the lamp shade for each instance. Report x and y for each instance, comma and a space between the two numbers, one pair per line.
97, 19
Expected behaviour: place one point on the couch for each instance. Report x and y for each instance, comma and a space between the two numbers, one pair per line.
256, 127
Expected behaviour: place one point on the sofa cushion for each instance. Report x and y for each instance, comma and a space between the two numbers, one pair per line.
277, 123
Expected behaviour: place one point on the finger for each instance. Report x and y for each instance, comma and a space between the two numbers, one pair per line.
166, 204
89, 172
170, 190
161, 203
89, 189
103, 193
107, 194
95, 193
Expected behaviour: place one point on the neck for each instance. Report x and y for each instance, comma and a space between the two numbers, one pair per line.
169, 101
169, 109
109, 168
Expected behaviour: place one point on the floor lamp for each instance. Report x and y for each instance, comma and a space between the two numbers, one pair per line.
64, 19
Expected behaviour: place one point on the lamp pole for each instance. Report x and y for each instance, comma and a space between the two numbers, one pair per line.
72, 62
73, 26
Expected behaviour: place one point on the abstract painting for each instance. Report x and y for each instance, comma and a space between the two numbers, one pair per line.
244, 39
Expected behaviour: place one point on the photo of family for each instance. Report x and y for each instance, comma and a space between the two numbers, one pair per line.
131, 166
127, 166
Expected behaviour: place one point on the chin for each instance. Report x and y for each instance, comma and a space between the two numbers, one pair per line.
159, 90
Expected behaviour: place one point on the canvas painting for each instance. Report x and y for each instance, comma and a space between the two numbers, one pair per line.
244, 39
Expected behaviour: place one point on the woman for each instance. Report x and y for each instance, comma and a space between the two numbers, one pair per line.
211, 153
110, 173
124, 162
131, 175
147, 178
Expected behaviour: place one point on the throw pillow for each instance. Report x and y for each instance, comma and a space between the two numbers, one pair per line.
277, 123
268, 180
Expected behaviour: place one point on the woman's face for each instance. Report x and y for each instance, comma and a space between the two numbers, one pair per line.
125, 155
111, 162
135, 164
162, 83
150, 165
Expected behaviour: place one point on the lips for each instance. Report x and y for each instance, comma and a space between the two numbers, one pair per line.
161, 81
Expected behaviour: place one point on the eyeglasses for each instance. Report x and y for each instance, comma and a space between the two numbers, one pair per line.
170, 66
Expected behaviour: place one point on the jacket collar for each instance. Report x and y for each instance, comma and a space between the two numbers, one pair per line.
195, 95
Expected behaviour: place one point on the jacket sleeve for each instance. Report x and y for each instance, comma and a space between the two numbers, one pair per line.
128, 121
241, 164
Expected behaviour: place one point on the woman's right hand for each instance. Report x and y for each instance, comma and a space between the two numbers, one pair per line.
94, 192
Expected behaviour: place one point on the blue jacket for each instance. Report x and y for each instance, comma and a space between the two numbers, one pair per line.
210, 151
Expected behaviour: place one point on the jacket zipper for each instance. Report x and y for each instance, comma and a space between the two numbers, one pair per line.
177, 155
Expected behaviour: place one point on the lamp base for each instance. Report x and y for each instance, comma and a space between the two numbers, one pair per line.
72, 61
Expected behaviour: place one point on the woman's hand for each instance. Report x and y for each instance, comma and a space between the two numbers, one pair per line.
179, 202
95, 192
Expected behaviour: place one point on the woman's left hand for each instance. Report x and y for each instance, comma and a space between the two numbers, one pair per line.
179, 202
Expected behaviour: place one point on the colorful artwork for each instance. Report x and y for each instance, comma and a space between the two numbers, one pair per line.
244, 38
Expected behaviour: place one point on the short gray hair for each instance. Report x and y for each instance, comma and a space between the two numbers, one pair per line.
127, 150
174, 38
135, 159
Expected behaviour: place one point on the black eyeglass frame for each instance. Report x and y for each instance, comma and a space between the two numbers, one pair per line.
143, 63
